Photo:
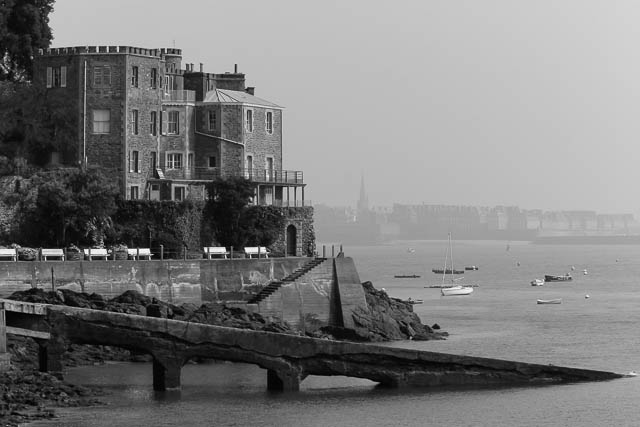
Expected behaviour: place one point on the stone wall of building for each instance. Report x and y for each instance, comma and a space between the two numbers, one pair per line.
302, 219
261, 144
144, 99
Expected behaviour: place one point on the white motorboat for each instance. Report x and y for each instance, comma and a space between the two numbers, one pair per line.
456, 290
537, 282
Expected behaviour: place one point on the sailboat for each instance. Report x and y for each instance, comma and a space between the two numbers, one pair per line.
454, 288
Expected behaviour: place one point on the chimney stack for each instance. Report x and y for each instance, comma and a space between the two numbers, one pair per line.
201, 67
235, 68
250, 90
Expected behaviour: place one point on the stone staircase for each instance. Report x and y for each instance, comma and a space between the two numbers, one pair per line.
276, 284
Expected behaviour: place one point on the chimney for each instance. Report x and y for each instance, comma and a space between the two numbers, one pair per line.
192, 67
250, 90
201, 67
235, 68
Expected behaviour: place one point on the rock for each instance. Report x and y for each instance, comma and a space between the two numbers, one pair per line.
389, 319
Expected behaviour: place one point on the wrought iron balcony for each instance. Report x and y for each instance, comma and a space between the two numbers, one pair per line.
179, 96
260, 176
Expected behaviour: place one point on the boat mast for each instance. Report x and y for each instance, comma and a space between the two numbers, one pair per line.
446, 258
451, 250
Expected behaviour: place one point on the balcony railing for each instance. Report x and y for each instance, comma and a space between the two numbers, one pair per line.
261, 176
179, 96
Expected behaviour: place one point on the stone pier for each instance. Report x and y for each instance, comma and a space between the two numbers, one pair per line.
287, 359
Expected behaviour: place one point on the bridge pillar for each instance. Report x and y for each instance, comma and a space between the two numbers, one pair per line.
50, 356
166, 373
5, 358
283, 381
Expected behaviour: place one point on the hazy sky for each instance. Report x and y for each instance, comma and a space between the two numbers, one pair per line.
492, 102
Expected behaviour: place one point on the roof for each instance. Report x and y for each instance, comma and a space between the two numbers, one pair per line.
237, 97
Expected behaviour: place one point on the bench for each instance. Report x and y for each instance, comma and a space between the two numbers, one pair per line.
96, 253
257, 251
9, 253
215, 251
52, 253
140, 253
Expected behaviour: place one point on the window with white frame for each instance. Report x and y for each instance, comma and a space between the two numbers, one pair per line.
249, 121
269, 122
101, 76
134, 165
134, 76
179, 193
134, 122
174, 160
101, 121
57, 76
134, 193
154, 78
153, 123
173, 118
212, 120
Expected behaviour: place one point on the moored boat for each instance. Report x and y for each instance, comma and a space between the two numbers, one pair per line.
447, 271
471, 268
537, 282
551, 278
406, 276
456, 290
550, 301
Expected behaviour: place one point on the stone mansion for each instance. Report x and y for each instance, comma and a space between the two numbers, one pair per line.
164, 130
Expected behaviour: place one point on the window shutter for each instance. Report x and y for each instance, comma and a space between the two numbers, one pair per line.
63, 76
163, 122
49, 76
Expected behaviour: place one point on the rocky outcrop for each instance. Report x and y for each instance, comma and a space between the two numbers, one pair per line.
390, 319
386, 318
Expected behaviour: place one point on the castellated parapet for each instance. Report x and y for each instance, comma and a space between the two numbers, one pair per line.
129, 50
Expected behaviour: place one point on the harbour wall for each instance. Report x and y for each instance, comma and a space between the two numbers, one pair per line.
317, 298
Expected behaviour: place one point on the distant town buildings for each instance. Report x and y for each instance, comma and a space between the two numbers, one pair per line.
425, 221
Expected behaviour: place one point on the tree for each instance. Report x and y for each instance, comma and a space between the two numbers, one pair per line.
236, 224
68, 205
263, 225
227, 200
33, 125
24, 28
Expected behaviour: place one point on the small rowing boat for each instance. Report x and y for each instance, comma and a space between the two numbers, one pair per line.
550, 301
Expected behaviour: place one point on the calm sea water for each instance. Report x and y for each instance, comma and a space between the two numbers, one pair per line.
500, 319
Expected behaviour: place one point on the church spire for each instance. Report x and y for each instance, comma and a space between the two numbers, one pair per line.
363, 201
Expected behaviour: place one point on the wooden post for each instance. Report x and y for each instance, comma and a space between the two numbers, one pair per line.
161, 252
5, 358
53, 281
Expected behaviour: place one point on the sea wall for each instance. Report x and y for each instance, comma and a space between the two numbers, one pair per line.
175, 281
